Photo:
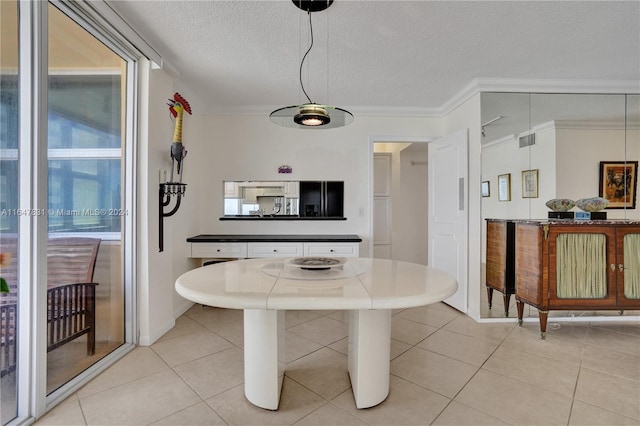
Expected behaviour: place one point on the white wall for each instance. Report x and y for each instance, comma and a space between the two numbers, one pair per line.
252, 148
158, 303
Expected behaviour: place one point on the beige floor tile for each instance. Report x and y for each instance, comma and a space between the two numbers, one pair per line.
342, 346
298, 346
342, 316
620, 342
232, 331
398, 348
612, 362
407, 404
575, 331
189, 347
457, 414
293, 318
295, 402
435, 317
549, 373
329, 414
67, 413
139, 402
514, 401
609, 392
433, 371
322, 330
459, 346
583, 414
409, 332
494, 332
140, 362
323, 371
215, 373
196, 415
627, 327
527, 339
184, 325
208, 316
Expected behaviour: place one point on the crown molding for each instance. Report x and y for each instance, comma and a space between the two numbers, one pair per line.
475, 86
516, 85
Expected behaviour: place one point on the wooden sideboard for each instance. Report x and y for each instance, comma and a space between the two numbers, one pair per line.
570, 264
500, 273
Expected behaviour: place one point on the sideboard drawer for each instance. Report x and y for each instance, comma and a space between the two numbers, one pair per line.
274, 250
232, 250
332, 249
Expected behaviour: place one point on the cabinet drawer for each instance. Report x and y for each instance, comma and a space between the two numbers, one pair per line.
274, 249
214, 250
332, 249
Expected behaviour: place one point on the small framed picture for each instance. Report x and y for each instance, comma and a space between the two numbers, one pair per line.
530, 183
504, 187
618, 183
484, 189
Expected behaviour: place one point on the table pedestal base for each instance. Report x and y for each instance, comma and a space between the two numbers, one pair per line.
369, 352
264, 356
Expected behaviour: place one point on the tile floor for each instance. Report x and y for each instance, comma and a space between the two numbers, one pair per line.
446, 369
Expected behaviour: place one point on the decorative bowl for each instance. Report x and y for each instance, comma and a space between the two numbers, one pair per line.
593, 204
560, 204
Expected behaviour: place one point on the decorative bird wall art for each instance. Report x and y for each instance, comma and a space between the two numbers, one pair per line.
177, 106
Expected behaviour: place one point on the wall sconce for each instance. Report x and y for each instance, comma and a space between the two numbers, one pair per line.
177, 107
168, 189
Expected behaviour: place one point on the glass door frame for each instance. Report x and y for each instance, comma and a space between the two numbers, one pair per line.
33, 158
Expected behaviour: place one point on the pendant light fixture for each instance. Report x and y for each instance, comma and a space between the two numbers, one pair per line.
311, 115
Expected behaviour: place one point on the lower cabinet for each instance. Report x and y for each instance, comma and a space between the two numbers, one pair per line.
500, 252
212, 250
576, 265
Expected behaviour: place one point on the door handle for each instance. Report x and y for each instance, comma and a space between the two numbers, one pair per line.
621, 267
613, 267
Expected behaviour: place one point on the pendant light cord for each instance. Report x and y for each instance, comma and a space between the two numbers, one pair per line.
305, 57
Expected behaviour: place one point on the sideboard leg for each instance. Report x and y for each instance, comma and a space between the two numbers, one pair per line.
520, 306
490, 295
543, 323
506, 298
264, 356
369, 355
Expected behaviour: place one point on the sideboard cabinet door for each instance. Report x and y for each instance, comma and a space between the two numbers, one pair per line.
581, 271
628, 266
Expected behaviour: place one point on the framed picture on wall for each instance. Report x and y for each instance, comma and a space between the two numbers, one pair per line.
504, 187
484, 189
530, 183
618, 183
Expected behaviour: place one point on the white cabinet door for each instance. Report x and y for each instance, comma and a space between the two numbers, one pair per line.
219, 250
231, 190
332, 249
381, 220
292, 189
274, 250
381, 174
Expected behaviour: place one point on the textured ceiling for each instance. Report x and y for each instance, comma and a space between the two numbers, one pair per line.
402, 56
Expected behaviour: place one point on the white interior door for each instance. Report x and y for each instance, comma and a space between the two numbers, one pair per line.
448, 236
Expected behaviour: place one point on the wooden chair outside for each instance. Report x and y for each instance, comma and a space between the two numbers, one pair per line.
71, 297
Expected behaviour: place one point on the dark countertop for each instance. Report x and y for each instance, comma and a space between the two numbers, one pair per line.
253, 238
282, 217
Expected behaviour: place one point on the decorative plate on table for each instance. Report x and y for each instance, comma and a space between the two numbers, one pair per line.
317, 262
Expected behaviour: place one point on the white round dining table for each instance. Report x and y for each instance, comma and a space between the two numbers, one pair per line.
265, 288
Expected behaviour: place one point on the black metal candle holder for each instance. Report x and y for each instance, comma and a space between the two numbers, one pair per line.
167, 190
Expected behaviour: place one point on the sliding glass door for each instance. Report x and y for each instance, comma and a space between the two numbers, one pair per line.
8, 209
67, 110
86, 88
